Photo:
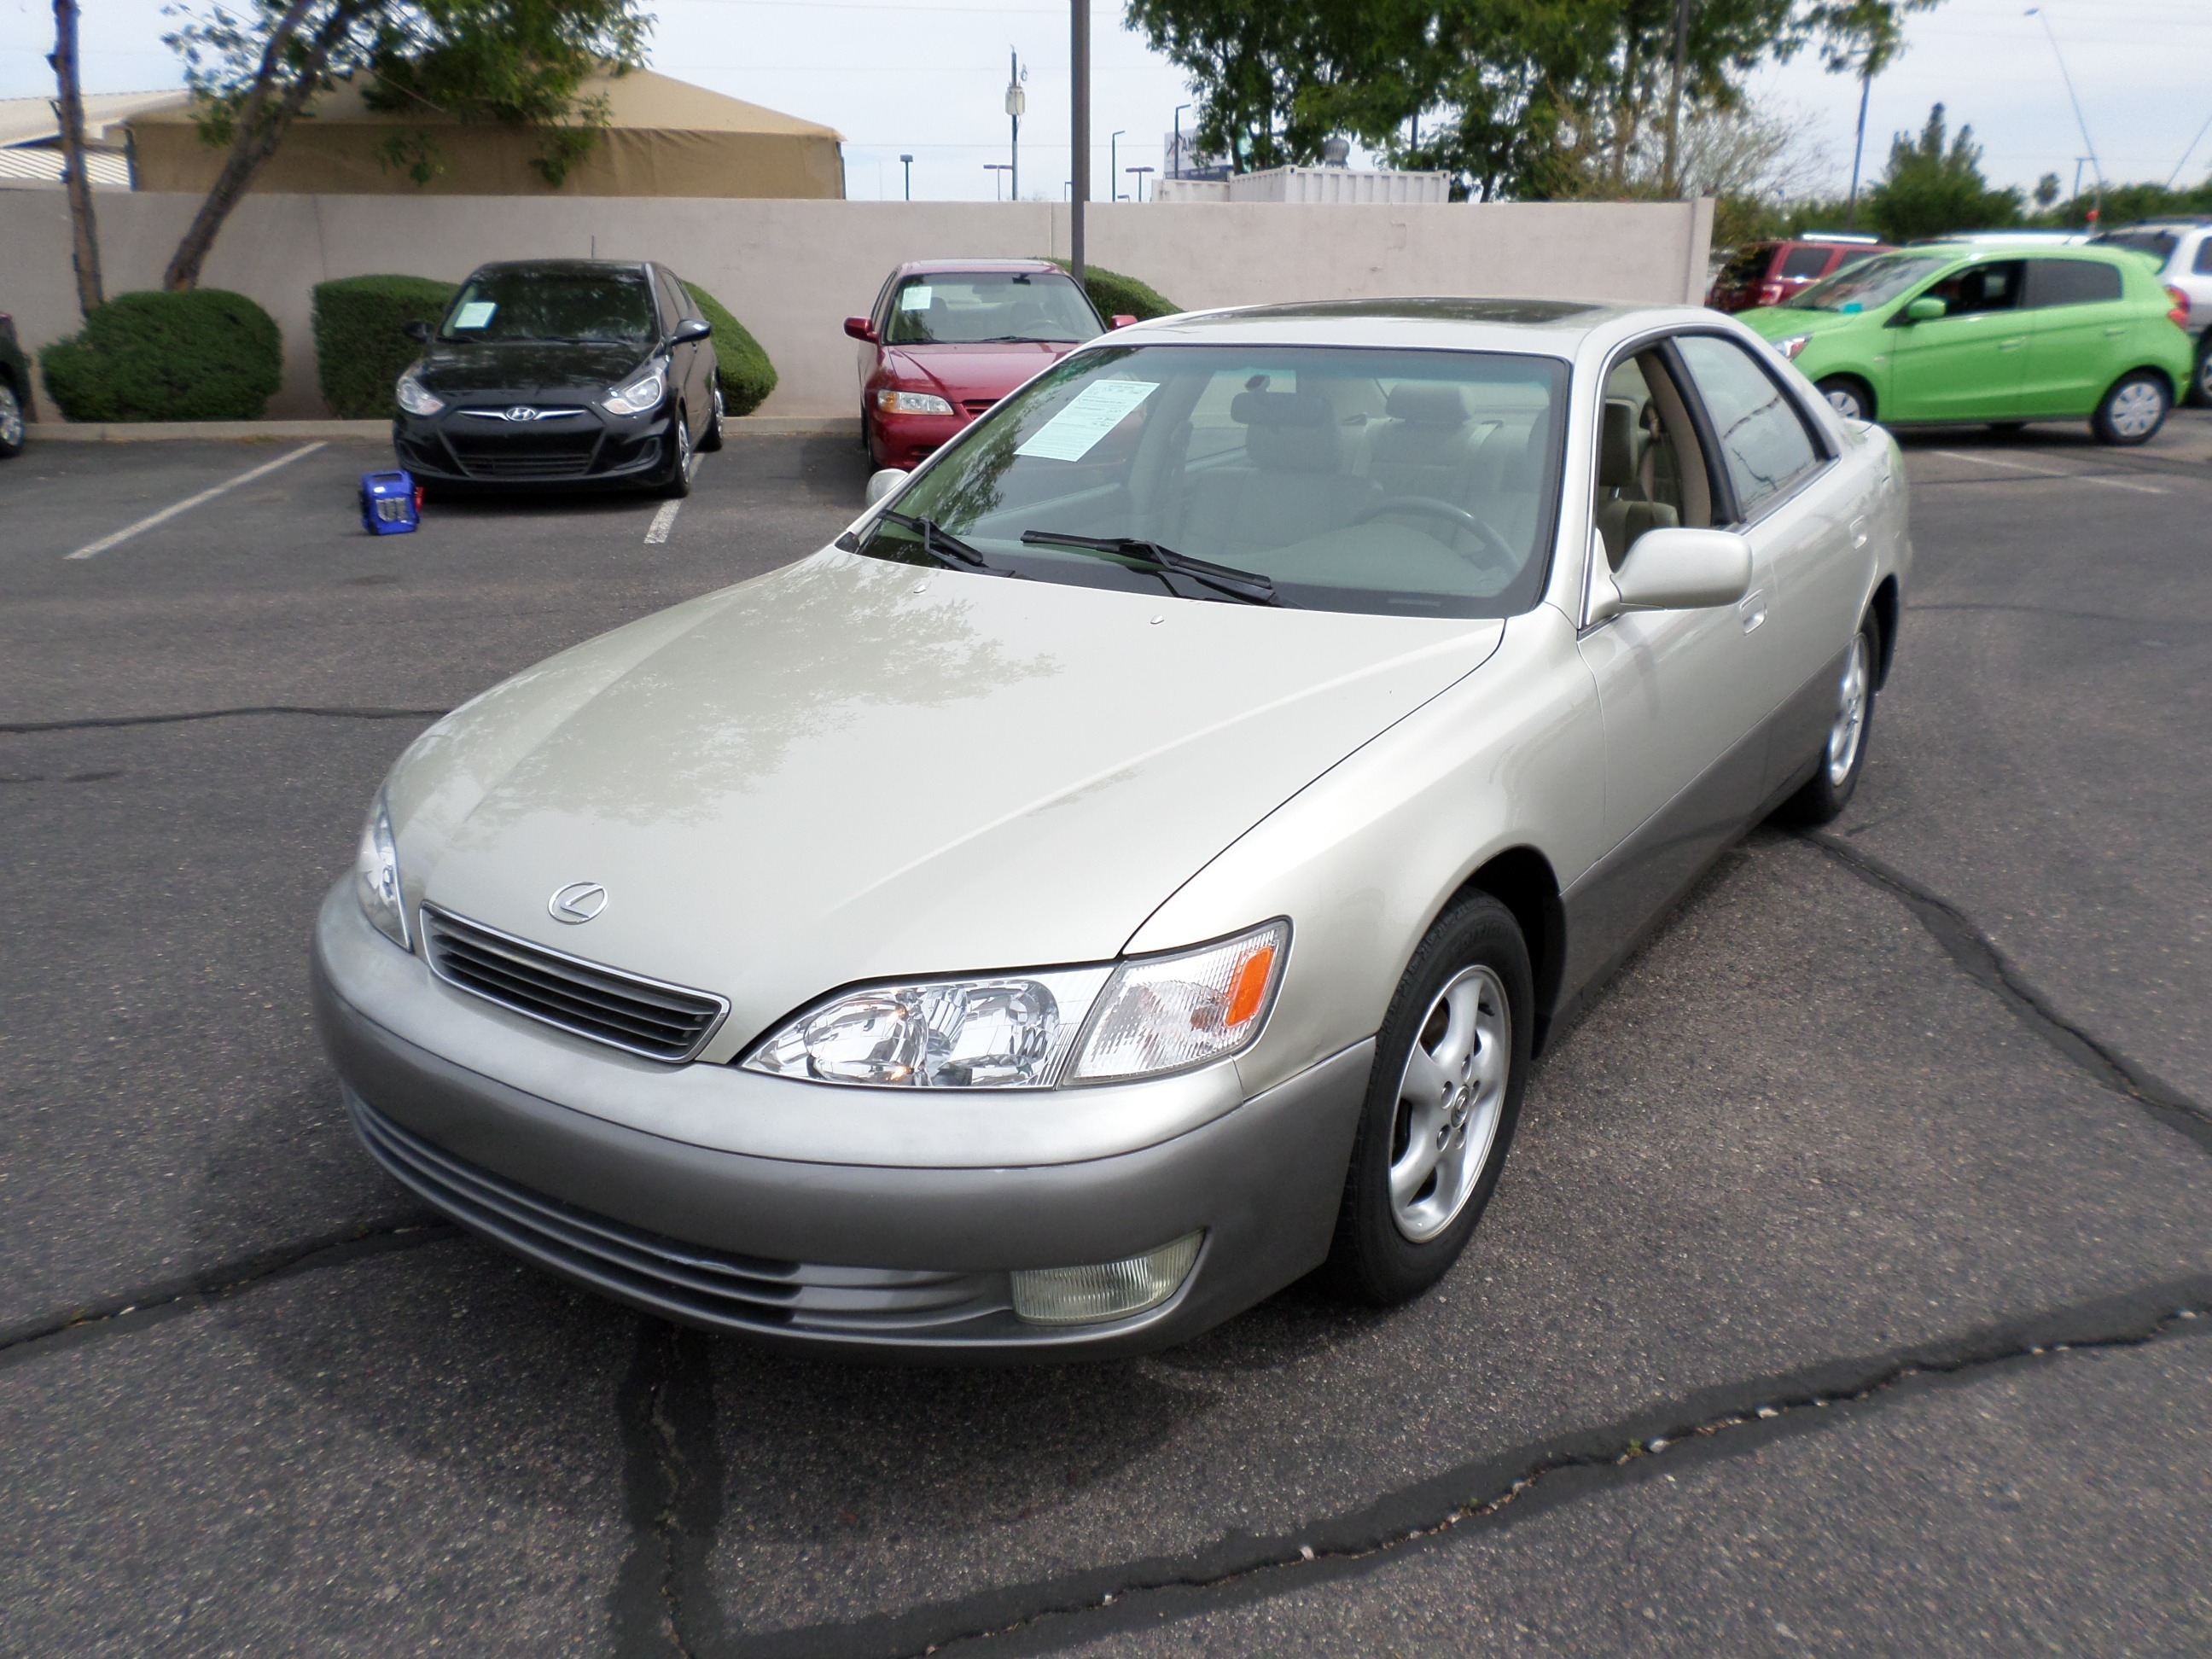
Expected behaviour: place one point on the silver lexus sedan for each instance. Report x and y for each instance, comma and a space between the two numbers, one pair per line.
1134, 865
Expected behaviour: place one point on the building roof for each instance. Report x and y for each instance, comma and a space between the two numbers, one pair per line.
31, 121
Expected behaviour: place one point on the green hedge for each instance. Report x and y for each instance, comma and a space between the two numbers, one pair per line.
743, 369
203, 355
359, 350
1117, 295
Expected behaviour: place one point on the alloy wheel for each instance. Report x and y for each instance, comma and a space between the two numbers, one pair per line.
1845, 403
1449, 1099
1849, 729
2136, 410
11, 419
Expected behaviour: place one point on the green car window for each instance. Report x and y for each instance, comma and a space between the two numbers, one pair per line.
1982, 288
1763, 438
2071, 283
1871, 284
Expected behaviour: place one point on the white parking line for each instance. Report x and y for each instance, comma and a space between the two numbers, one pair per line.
93, 550
2048, 473
663, 522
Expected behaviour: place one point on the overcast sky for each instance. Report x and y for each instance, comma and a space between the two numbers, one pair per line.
929, 80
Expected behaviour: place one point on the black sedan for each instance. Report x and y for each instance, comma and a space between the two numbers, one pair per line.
562, 371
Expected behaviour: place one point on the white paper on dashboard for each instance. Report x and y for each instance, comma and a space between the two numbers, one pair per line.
916, 298
475, 314
1089, 416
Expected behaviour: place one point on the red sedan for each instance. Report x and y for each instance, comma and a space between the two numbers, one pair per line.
950, 338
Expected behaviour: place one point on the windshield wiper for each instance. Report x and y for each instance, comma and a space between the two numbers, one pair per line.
1022, 339
947, 549
1248, 586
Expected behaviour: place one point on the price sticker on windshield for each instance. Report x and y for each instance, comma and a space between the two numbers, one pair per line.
1089, 416
475, 314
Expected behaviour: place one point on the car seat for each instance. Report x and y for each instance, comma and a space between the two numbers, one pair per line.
1293, 488
1625, 509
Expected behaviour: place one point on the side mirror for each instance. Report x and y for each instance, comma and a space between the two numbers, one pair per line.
1674, 570
1926, 309
860, 328
692, 328
1122, 319
418, 331
881, 484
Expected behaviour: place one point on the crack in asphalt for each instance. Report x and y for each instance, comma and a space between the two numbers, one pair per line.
151, 1304
674, 1479
1978, 957
18, 727
1727, 1419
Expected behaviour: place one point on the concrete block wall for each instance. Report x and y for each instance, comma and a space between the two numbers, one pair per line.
793, 270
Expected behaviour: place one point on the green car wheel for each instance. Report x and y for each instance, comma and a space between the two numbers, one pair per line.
1850, 397
2133, 411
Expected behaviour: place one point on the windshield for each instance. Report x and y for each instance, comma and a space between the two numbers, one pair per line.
1397, 482
553, 305
1870, 285
969, 307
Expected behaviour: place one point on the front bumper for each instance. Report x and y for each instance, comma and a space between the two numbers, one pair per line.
860, 1258
907, 441
468, 445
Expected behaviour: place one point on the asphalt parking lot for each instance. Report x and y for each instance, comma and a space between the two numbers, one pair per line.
1850, 1289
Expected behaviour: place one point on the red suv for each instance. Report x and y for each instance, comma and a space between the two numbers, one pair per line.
1767, 273
950, 338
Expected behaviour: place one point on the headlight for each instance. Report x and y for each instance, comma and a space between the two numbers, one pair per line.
376, 877
414, 399
641, 395
1106, 1023
892, 401
1793, 345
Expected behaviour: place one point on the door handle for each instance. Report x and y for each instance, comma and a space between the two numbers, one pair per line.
2114, 333
2008, 345
1858, 533
1750, 609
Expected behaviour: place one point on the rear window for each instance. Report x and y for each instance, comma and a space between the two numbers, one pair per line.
2072, 282
2159, 244
1804, 261
1747, 264
2204, 266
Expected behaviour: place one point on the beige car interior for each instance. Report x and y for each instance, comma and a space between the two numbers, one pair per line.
1651, 472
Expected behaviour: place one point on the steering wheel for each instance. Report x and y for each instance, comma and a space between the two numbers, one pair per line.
1459, 517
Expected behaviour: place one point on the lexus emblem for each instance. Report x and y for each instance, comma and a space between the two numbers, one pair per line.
524, 412
577, 903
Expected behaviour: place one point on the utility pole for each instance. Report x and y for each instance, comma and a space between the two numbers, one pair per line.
1668, 172
1078, 55
68, 111
1017, 101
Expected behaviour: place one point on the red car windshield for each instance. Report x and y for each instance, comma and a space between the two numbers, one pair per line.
977, 308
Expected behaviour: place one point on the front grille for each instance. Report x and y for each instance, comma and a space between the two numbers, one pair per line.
692, 1281
662, 1022
977, 405
538, 455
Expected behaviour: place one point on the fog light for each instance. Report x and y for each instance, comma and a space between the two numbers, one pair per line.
1111, 1290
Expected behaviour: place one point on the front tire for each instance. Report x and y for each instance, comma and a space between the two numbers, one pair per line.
2200, 383
11, 423
1835, 780
711, 439
675, 484
2133, 411
1849, 396
1451, 1062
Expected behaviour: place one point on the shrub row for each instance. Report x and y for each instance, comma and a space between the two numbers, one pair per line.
203, 355
359, 350
1117, 295
741, 366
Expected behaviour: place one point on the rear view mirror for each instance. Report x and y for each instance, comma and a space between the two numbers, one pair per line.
418, 331
860, 328
1926, 309
1674, 570
882, 484
1122, 319
692, 328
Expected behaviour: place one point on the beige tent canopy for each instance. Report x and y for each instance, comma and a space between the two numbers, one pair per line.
663, 137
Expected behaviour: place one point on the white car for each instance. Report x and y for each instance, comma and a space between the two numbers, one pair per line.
1136, 864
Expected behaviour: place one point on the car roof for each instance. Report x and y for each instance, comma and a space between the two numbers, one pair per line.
936, 267
563, 267
2041, 250
1527, 326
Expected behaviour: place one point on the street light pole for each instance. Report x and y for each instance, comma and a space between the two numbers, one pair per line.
1113, 163
907, 161
1140, 173
994, 168
1016, 102
1079, 57
1180, 108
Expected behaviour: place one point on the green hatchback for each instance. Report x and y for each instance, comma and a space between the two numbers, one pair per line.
1996, 334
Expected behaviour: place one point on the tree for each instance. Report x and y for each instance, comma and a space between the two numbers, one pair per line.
251, 73
1861, 38
68, 111
1934, 187
2046, 190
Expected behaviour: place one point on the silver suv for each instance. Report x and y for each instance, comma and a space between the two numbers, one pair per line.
2183, 248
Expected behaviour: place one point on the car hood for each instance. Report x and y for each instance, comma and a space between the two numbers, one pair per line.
1780, 323
852, 769
521, 368
970, 372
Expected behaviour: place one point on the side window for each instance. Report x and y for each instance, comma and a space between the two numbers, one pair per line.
2204, 266
1763, 439
665, 303
1982, 288
881, 314
1651, 473
1805, 260
2071, 283
686, 307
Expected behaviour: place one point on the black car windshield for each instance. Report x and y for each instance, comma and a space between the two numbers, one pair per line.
965, 307
1870, 285
1420, 483
552, 305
